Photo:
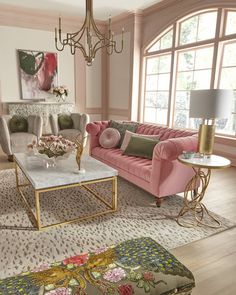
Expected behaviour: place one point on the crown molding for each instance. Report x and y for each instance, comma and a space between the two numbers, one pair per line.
38, 19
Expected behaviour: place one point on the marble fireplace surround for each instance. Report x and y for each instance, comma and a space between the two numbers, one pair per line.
44, 109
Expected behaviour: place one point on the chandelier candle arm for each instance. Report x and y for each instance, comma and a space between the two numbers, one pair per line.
88, 31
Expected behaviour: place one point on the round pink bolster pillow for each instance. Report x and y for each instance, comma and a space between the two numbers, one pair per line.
109, 138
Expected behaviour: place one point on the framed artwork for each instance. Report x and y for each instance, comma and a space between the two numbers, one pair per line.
38, 73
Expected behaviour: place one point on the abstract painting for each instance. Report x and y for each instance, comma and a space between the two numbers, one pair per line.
38, 73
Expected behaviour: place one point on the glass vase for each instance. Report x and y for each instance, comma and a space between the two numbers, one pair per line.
50, 162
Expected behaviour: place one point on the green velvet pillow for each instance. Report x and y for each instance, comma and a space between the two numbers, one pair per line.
18, 124
140, 147
122, 127
65, 122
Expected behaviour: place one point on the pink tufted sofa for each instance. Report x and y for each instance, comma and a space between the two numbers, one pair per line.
163, 175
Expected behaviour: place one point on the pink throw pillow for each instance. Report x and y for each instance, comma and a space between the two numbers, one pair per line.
109, 138
128, 135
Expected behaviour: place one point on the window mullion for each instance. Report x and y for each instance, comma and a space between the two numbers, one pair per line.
215, 72
170, 113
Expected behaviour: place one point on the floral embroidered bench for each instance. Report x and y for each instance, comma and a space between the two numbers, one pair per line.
138, 266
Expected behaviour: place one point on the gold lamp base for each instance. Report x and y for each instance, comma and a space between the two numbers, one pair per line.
206, 139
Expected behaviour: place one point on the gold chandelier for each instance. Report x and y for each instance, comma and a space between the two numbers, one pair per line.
89, 34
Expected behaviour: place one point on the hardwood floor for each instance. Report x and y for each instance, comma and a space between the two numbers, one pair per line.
212, 260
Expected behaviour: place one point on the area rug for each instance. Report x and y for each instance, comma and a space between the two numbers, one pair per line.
22, 247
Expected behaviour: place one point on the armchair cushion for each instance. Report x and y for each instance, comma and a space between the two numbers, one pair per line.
140, 147
65, 122
18, 124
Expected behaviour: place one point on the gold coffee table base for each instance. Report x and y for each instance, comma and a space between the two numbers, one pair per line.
192, 202
37, 193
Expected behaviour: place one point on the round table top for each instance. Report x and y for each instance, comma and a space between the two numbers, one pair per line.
211, 162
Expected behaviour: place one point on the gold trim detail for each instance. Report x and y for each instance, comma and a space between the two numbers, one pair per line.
36, 218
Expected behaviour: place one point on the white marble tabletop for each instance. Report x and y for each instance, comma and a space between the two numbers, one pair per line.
211, 162
64, 172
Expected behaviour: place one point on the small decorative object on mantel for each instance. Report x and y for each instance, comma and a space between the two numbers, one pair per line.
79, 150
61, 92
51, 147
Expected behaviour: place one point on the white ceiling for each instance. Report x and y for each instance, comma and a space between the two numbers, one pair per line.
102, 8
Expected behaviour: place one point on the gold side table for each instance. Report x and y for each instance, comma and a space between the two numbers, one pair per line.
196, 188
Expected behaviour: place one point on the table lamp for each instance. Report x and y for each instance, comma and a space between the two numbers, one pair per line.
209, 104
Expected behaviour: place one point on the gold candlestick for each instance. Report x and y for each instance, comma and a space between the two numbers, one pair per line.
79, 150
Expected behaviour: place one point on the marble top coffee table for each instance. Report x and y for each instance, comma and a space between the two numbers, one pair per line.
63, 176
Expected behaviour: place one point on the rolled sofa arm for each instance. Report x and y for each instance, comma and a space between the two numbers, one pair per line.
171, 148
94, 129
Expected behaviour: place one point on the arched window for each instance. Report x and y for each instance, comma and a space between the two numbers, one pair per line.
197, 52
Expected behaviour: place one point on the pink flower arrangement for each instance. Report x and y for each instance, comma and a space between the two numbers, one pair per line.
53, 146
60, 91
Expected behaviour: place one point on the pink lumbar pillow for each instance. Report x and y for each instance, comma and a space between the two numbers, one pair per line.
109, 138
128, 135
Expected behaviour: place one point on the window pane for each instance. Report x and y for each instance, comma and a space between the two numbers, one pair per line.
154, 115
164, 82
186, 60
150, 115
201, 79
159, 64
226, 126
198, 28
184, 80
152, 65
165, 63
231, 23
156, 107
188, 30
207, 26
164, 42
151, 99
204, 58
228, 78
151, 83
229, 55
181, 119
182, 100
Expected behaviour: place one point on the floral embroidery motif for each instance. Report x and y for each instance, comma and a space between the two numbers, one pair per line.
114, 275
126, 290
76, 260
145, 280
60, 291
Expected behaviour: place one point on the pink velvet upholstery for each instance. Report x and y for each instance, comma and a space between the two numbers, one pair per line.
161, 176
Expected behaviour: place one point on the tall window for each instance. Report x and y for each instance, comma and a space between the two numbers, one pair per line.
194, 53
